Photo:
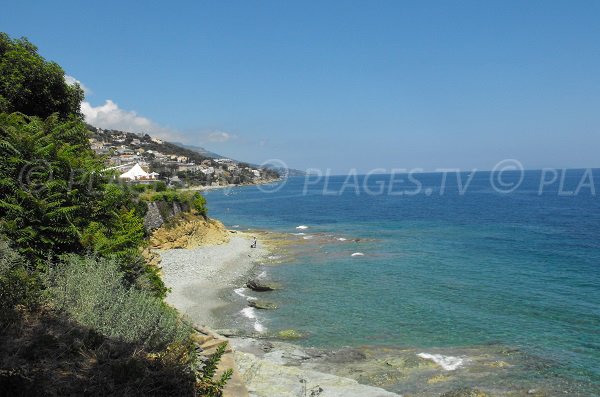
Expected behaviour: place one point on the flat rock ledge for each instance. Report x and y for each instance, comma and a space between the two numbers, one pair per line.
264, 378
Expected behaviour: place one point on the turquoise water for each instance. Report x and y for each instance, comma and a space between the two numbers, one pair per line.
443, 267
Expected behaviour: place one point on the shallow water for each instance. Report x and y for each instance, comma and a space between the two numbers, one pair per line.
440, 272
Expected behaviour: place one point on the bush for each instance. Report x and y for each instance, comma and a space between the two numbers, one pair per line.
17, 286
199, 204
138, 188
159, 186
91, 291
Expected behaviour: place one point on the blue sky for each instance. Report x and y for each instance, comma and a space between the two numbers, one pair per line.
341, 85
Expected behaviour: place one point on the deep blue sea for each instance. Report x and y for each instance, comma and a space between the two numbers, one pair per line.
449, 261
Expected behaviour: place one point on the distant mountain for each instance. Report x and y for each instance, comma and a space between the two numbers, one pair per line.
207, 153
200, 150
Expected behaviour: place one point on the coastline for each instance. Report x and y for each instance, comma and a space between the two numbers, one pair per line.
203, 188
201, 279
208, 282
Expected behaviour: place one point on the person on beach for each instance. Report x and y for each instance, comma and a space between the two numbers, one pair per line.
253, 245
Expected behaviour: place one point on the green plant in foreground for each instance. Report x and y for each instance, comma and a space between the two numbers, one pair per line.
92, 292
205, 384
17, 286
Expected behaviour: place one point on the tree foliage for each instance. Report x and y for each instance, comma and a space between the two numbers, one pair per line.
49, 183
31, 85
56, 198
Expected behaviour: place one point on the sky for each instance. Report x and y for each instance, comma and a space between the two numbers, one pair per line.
337, 84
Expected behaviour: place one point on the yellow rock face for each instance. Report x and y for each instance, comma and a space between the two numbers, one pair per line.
189, 231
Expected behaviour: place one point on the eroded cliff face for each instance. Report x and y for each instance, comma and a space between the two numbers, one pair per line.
161, 212
187, 230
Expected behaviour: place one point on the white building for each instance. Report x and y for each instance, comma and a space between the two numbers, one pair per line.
137, 173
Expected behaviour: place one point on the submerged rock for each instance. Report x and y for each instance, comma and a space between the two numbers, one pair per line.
289, 334
261, 286
465, 392
262, 305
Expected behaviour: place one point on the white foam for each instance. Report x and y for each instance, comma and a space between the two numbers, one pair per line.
449, 363
341, 239
249, 312
307, 237
240, 292
358, 254
299, 234
235, 226
258, 327
302, 227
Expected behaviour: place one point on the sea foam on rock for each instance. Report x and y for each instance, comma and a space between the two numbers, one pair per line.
449, 363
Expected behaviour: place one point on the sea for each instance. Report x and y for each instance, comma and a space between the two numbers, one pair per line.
494, 276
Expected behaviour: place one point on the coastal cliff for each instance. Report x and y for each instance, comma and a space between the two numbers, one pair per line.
187, 230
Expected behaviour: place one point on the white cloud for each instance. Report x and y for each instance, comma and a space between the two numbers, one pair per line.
111, 116
72, 80
219, 136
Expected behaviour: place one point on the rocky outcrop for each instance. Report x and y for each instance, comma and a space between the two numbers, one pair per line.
261, 286
265, 378
262, 305
153, 219
161, 212
189, 231
465, 392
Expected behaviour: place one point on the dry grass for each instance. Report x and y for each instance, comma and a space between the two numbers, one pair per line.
47, 354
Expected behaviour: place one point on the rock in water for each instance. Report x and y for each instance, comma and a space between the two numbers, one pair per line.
260, 286
262, 305
465, 392
289, 334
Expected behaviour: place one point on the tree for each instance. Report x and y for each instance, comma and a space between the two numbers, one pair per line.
49, 182
31, 85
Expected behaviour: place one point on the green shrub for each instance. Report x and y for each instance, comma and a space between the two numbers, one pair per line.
91, 291
17, 285
49, 184
159, 186
199, 204
138, 188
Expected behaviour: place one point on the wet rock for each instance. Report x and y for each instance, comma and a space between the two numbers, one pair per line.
262, 305
265, 378
228, 333
465, 392
437, 379
261, 286
345, 356
289, 334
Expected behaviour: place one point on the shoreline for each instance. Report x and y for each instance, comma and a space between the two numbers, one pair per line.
204, 188
203, 284
202, 278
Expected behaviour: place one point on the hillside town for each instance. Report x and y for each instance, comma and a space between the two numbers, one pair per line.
140, 158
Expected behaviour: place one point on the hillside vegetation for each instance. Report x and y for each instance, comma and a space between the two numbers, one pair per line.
81, 312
